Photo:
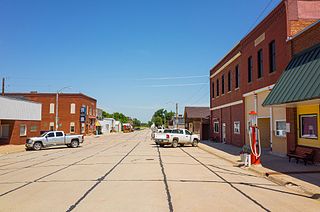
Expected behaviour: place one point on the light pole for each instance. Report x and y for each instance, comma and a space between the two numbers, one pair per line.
57, 105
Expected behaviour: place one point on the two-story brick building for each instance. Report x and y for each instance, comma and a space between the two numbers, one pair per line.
241, 81
73, 113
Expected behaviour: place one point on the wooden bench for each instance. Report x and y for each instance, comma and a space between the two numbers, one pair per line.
305, 154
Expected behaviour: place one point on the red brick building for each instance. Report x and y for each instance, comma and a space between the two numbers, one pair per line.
240, 82
18, 120
76, 111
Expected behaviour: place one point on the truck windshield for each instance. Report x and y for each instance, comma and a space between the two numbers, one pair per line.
43, 135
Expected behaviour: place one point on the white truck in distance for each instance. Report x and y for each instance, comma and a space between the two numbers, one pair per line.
54, 138
176, 137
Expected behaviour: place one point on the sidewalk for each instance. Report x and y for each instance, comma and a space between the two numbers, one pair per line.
7, 149
275, 168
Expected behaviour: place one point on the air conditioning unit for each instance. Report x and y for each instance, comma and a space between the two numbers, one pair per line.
281, 133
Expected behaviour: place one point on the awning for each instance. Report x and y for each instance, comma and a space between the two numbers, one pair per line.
300, 81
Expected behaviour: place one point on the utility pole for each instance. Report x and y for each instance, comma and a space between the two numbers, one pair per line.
176, 115
3, 80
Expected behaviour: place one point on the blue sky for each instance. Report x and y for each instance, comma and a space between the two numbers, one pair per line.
133, 56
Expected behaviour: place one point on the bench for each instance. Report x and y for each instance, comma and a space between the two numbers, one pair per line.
305, 154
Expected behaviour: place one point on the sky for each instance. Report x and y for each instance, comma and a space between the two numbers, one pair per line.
133, 56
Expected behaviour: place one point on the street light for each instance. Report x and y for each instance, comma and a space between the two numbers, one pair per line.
57, 104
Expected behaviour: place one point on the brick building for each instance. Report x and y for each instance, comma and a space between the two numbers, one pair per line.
197, 120
241, 81
18, 120
76, 111
298, 91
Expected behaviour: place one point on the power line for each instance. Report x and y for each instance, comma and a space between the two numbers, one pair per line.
177, 77
174, 85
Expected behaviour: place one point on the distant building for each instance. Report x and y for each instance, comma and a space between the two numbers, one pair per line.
99, 114
107, 125
178, 122
19, 119
76, 111
197, 120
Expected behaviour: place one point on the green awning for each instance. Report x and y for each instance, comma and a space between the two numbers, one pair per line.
300, 81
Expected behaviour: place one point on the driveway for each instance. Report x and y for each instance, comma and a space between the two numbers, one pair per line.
127, 172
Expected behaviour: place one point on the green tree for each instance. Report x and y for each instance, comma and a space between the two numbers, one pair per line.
158, 121
136, 122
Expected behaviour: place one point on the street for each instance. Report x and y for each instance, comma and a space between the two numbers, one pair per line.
128, 172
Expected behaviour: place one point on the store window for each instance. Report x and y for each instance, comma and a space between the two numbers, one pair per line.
215, 127
4, 131
280, 128
23, 130
309, 126
236, 127
51, 126
72, 127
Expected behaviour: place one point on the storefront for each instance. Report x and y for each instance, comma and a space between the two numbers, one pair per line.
298, 91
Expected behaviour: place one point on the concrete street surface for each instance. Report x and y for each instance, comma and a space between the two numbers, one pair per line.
127, 172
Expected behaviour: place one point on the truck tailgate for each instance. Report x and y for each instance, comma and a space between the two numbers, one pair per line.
160, 136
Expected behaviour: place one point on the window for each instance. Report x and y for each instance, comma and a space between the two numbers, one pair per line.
260, 63
237, 77
250, 69
212, 89
73, 108
33, 128
51, 108
236, 127
90, 113
51, 126
23, 130
309, 126
280, 128
218, 87
72, 128
222, 84
4, 131
59, 134
272, 56
229, 81
215, 127
50, 135
188, 132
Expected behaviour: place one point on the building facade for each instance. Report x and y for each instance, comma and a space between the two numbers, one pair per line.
18, 120
197, 120
298, 92
74, 113
242, 80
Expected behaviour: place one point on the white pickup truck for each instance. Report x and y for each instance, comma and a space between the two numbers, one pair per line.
54, 138
175, 137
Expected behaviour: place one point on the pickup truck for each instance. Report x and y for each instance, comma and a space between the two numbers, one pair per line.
54, 138
175, 137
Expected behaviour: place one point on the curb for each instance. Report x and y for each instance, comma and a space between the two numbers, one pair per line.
276, 180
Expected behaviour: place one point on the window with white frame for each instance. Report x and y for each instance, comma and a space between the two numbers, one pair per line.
72, 127
51, 126
23, 130
215, 127
73, 108
309, 126
51, 108
280, 128
4, 131
33, 128
236, 127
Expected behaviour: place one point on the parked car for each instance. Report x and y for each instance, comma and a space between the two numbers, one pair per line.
160, 135
54, 138
177, 137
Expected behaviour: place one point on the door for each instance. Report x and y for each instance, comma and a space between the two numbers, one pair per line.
224, 135
50, 139
59, 138
264, 128
188, 136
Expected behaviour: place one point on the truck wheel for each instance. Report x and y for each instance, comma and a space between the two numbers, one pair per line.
175, 143
74, 143
37, 146
195, 143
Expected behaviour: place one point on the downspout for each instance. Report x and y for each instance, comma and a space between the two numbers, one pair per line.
271, 127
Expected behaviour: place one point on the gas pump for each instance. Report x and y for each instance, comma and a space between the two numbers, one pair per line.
254, 138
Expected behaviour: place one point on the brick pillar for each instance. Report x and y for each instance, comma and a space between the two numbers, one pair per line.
291, 116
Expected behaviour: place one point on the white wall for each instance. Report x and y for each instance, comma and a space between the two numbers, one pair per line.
14, 109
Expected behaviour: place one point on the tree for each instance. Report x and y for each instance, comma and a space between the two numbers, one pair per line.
136, 122
158, 121
164, 115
